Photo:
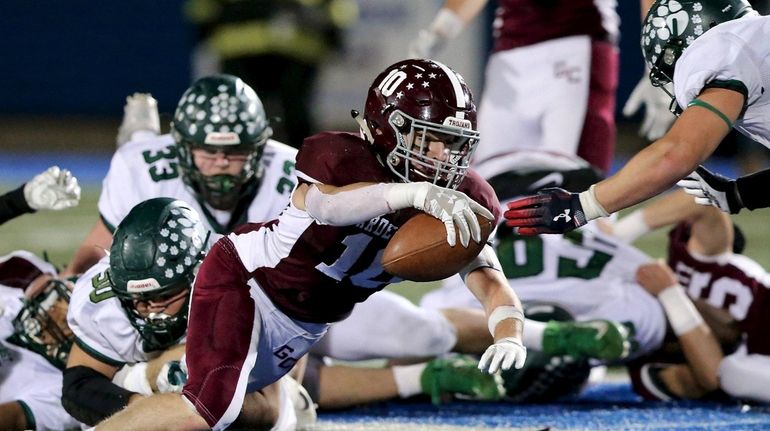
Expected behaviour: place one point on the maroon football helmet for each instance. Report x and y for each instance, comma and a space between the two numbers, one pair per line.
412, 103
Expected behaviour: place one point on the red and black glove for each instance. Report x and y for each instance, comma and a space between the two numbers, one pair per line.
551, 210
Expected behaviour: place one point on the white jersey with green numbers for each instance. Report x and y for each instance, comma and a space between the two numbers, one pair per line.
101, 327
733, 55
148, 168
590, 274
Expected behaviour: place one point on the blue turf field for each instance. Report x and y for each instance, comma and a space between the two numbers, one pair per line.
605, 406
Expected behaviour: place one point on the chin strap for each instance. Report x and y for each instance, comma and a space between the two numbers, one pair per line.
365, 131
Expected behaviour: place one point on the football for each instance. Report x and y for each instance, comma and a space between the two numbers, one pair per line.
419, 251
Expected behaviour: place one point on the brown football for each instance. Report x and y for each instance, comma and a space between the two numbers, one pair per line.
419, 252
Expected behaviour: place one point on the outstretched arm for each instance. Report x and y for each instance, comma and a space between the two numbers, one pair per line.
711, 229
700, 347
694, 136
448, 23
359, 202
503, 309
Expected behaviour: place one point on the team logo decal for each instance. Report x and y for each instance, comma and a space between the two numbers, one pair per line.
670, 19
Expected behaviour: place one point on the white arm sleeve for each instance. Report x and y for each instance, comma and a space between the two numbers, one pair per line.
358, 205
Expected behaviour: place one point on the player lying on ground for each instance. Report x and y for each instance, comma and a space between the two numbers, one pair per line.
387, 326
35, 343
130, 311
703, 266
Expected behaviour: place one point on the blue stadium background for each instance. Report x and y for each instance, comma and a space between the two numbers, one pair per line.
80, 56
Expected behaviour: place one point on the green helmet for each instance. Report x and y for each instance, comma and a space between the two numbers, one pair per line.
672, 25
38, 329
221, 113
155, 254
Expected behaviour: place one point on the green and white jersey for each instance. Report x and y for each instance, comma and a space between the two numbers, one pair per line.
101, 326
148, 168
733, 55
590, 274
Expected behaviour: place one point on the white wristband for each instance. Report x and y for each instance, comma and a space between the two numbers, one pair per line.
501, 313
133, 378
591, 206
631, 227
680, 310
446, 24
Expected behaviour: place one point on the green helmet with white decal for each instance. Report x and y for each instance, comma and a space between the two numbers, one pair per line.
155, 254
221, 113
672, 25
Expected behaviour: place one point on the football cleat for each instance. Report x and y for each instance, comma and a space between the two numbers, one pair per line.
459, 375
599, 339
304, 407
139, 114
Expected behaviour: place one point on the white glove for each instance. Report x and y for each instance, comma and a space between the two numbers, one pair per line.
453, 208
426, 45
446, 25
657, 117
501, 355
711, 188
54, 189
172, 377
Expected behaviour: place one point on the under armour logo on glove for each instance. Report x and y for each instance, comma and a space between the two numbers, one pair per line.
565, 214
546, 212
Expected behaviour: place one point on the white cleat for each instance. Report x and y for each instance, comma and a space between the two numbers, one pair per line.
139, 114
304, 407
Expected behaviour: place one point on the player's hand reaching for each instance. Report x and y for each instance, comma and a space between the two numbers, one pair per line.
551, 210
455, 209
710, 188
501, 355
54, 189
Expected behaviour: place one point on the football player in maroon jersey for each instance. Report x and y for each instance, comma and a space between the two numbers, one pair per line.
703, 266
551, 77
678, 41
267, 292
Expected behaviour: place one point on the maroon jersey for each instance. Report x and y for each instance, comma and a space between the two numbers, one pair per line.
526, 22
315, 272
733, 283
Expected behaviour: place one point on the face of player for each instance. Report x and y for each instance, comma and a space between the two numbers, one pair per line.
433, 151
167, 305
58, 316
219, 162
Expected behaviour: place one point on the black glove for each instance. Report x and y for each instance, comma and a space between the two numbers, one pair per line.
551, 210
711, 188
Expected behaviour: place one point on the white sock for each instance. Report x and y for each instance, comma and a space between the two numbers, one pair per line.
533, 334
407, 379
